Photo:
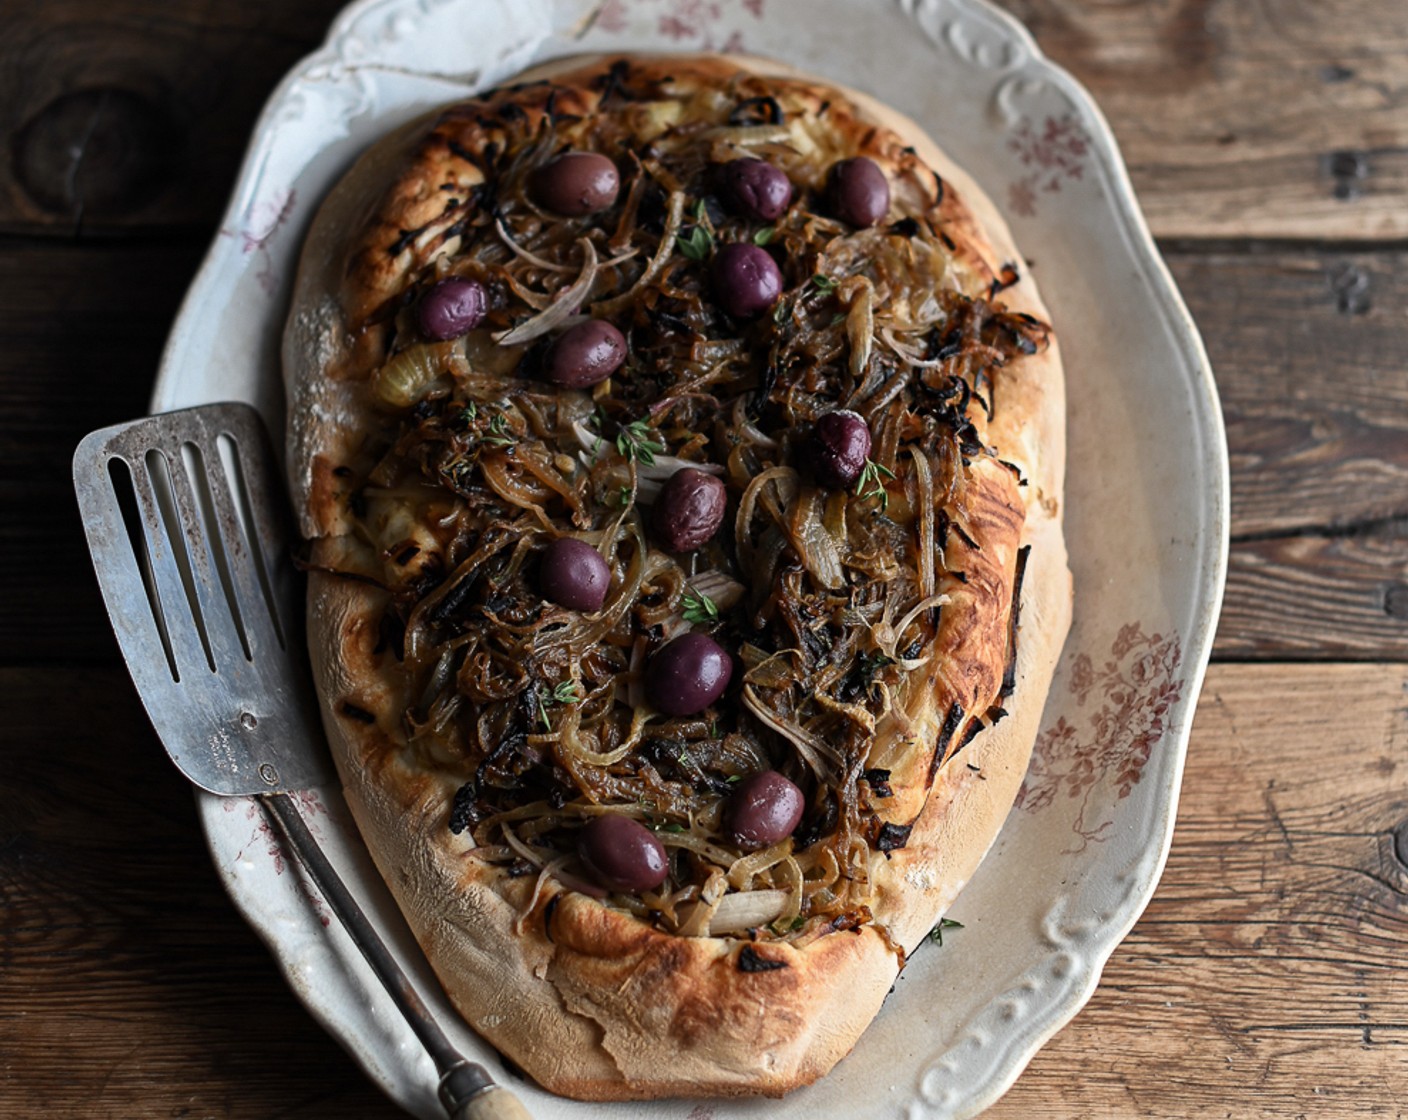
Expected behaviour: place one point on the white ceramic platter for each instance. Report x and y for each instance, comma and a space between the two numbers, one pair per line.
1146, 517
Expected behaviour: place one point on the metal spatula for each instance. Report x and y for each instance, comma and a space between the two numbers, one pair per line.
185, 523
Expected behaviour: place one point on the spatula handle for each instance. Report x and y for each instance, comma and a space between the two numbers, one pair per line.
492, 1104
466, 1089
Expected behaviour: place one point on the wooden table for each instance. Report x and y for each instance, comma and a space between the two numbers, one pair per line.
1269, 977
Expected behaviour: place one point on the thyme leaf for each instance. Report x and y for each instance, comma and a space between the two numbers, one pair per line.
697, 245
698, 607
500, 435
936, 934
637, 441
564, 692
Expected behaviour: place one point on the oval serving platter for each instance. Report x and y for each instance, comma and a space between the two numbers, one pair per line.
1146, 517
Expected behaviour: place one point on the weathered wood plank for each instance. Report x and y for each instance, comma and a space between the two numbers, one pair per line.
1248, 119
1311, 357
1317, 596
1266, 978
136, 119
83, 329
126, 977
1237, 119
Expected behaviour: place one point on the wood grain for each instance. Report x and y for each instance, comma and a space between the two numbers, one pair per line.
1313, 595
1237, 119
1266, 978
1248, 119
82, 329
127, 979
1311, 357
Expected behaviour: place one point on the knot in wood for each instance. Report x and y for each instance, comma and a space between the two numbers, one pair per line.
1396, 606
1400, 844
1349, 169
101, 152
1351, 287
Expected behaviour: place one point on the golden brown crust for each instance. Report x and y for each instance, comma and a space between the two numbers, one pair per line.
590, 1001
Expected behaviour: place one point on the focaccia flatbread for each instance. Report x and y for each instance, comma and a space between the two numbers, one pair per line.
892, 642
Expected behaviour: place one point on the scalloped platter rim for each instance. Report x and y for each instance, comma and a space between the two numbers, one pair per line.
1084, 846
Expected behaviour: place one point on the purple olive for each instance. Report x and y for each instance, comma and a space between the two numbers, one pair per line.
689, 510
622, 854
687, 675
859, 192
764, 809
573, 575
746, 280
840, 445
586, 354
576, 183
755, 188
451, 308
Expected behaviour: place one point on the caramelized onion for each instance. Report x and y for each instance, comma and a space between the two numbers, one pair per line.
737, 912
823, 759
663, 252
567, 304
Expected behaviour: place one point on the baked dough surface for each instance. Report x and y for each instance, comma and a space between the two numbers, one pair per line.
590, 1000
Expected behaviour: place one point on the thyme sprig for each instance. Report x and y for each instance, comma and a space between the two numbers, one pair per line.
636, 441
564, 692
871, 483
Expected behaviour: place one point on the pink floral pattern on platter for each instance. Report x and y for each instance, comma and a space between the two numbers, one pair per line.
264, 836
265, 219
1054, 154
1136, 688
699, 24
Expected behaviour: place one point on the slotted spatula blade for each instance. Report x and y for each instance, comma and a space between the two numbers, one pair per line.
184, 517
182, 513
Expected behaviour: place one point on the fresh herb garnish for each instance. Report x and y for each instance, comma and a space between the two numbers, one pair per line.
871, 483
733, 779
764, 235
780, 312
671, 827
637, 441
469, 412
697, 245
698, 607
500, 434
936, 934
623, 497
823, 283
564, 692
